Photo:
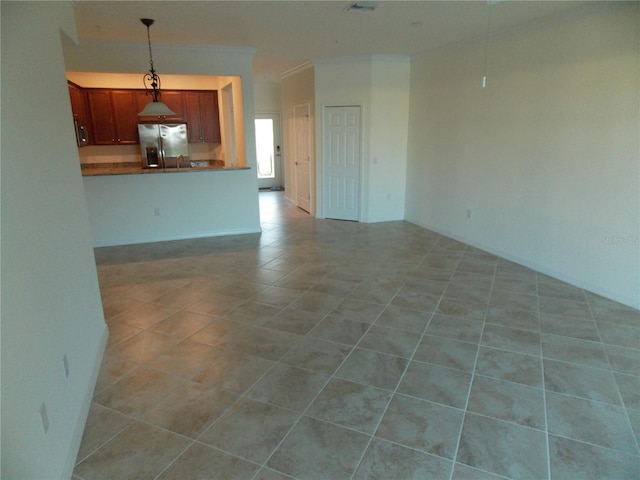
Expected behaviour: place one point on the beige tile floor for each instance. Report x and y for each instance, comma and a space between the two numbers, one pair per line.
325, 349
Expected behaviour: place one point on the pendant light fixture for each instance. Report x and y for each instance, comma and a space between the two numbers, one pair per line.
151, 81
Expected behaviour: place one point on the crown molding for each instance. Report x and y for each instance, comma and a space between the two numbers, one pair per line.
297, 69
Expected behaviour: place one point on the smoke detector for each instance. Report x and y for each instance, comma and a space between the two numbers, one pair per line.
367, 7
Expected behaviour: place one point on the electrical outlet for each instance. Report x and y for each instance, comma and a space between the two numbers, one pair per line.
44, 417
156, 212
469, 214
65, 366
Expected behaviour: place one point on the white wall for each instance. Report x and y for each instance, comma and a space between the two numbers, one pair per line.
50, 297
387, 170
379, 84
268, 97
193, 204
546, 157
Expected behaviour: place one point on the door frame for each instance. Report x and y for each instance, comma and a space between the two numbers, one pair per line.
229, 126
277, 139
322, 163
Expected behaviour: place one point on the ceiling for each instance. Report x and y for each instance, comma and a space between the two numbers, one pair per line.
286, 34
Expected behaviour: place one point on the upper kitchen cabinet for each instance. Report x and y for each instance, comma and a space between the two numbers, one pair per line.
78, 103
174, 99
80, 113
114, 116
203, 121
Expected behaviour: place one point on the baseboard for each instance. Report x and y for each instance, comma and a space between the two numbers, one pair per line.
86, 405
630, 302
167, 238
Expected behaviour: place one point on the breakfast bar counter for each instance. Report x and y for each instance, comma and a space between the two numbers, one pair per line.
133, 168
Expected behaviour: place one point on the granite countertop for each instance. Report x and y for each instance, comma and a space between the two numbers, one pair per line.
132, 168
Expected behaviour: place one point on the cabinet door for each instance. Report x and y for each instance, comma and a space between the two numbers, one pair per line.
210, 116
194, 125
174, 99
126, 116
141, 99
102, 119
78, 105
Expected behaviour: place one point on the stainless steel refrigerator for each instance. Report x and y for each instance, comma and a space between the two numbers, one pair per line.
164, 145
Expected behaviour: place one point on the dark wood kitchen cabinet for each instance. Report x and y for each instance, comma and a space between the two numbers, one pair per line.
114, 116
203, 120
80, 112
125, 112
78, 103
114, 119
174, 99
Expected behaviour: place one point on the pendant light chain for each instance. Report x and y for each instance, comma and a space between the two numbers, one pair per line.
151, 83
486, 47
150, 55
151, 77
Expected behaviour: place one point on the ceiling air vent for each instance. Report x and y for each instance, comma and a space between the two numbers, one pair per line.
362, 7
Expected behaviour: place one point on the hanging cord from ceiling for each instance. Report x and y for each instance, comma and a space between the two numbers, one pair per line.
486, 45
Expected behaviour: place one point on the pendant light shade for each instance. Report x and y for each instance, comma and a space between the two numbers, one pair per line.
151, 82
156, 109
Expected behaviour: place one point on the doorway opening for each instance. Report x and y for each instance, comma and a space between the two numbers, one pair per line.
268, 151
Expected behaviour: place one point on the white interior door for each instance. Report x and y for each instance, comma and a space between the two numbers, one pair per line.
341, 163
302, 156
268, 150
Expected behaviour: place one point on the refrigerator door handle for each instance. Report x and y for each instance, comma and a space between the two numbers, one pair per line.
161, 151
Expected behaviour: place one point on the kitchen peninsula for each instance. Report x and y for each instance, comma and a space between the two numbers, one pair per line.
125, 207
191, 190
150, 207
113, 139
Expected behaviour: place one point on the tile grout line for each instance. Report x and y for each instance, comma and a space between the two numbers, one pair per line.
613, 372
330, 377
77, 462
544, 388
236, 401
473, 372
140, 419
409, 360
596, 446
